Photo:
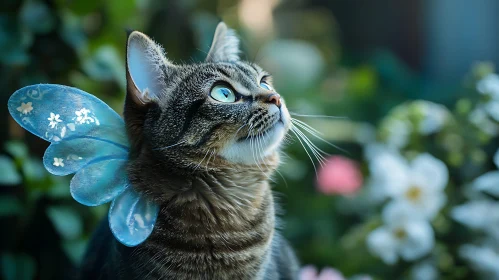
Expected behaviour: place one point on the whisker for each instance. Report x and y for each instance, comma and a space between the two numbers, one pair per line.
240, 128
317, 116
297, 121
167, 147
320, 138
199, 164
315, 150
298, 137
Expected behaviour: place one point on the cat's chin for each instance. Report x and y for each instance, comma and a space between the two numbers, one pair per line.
257, 148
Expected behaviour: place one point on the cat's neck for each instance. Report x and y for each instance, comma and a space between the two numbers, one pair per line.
215, 221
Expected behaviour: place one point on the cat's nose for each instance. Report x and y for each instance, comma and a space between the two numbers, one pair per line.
274, 98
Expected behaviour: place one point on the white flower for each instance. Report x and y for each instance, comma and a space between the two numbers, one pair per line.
479, 215
58, 162
484, 259
489, 85
25, 108
388, 168
398, 133
54, 120
403, 234
492, 108
479, 118
434, 117
420, 184
488, 182
425, 270
496, 158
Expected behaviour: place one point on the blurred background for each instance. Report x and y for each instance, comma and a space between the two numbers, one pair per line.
406, 188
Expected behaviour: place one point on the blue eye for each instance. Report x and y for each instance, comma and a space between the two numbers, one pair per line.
223, 94
265, 86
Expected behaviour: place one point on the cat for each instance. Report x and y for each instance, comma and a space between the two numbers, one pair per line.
205, 138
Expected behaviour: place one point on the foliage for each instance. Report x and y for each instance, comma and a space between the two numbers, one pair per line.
430, 169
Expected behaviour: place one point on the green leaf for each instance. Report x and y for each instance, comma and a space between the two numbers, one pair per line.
33, 169
9, 174
17, 149
75, 249
17, 267
66, 221
9, 206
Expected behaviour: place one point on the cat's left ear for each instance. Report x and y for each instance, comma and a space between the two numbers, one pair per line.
146, 69
225, 46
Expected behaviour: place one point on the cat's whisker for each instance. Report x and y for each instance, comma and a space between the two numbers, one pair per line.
316, 133
255, 155
310, 145
240, 128
168, 147
297, 121
301, 132
262, 156
306, 151
199, 164
315, 150
317, 116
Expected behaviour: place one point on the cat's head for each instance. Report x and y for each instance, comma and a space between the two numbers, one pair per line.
221, 108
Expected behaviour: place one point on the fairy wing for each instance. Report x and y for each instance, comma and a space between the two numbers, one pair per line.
56, 112
87, 138
132, 217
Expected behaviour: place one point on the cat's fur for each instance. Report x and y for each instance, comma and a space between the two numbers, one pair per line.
206, 163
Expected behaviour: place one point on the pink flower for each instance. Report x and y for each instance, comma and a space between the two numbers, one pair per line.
339, 175
309, 272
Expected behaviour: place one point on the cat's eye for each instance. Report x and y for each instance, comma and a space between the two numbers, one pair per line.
265, 86
223, 94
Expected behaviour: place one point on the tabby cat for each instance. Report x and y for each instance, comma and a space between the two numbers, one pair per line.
204, 140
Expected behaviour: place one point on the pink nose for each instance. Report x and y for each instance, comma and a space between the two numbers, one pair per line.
275, 98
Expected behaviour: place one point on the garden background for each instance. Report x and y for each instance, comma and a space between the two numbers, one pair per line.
410, 188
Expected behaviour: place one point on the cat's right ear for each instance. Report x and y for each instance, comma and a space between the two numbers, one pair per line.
146, 69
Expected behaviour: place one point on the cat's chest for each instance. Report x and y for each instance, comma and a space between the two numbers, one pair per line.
188, 244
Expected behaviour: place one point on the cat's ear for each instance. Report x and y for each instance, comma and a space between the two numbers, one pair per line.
225, 46
146, 68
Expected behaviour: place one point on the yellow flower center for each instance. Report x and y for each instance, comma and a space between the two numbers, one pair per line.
400, 233
413, 193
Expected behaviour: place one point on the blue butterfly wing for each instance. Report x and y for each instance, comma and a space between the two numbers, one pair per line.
100, 182
88, 138
132, 217
56, 112
68, 156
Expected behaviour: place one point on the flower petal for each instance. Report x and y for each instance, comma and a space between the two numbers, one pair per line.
433, 170
484, 258
473, 214
488, 182
419, 242
389, 172
382, 243
132, 217
78, 152
98, 183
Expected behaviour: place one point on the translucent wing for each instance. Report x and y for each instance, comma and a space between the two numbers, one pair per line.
69, 156
88, 138
132, 217
56, 112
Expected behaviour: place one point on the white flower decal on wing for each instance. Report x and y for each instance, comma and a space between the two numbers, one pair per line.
58, 162
25, 108
82, 117
54, 120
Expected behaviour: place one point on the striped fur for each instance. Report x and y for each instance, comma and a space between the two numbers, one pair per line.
217, 218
